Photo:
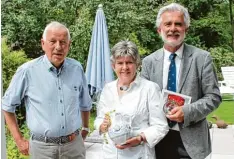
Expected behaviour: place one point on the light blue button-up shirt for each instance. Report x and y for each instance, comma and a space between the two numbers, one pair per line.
53, 98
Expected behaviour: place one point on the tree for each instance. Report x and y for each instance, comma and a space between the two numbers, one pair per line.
232, 22
11, 60
23, 23
221, 57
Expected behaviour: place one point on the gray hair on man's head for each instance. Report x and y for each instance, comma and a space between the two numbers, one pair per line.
125, 48
170, 8
57, 25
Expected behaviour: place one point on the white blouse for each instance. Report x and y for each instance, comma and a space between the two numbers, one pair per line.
142, 102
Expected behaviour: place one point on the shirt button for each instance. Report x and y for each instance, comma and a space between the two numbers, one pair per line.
59, 88
63, 127
62, 114
61, 101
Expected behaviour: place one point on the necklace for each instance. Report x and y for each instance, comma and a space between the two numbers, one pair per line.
124, 88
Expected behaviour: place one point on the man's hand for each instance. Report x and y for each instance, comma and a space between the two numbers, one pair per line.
23, 146
176, 114
85, 123
84, 134
134, 141
21, 143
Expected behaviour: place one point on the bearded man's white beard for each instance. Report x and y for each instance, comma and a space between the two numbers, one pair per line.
173, 43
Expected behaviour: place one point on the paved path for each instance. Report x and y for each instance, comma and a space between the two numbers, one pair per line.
222, 145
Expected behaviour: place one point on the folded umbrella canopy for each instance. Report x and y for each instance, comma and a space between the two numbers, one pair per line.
98, 69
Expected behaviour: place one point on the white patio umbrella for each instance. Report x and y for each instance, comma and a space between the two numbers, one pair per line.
98, 69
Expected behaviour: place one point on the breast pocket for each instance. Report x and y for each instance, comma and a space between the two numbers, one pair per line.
72, 102
73, 94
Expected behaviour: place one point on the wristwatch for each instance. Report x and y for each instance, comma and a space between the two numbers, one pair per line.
86, 129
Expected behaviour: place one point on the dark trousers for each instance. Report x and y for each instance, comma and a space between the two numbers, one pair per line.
171, 147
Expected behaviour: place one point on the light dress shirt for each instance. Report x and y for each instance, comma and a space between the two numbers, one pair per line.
53, 98
142, 103
179, 55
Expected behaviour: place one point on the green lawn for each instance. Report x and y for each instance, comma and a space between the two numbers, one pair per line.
225, 111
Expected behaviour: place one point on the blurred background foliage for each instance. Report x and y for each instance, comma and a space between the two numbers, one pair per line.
23, 22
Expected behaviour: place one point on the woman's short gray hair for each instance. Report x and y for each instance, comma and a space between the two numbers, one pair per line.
125, 48
55, 24
170, 8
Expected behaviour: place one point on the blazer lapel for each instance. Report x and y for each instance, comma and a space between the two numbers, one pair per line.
186, 65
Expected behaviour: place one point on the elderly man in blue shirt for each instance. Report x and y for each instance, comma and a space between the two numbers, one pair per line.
54, 91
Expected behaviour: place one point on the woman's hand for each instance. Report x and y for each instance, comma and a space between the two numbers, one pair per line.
105, 124
131, 142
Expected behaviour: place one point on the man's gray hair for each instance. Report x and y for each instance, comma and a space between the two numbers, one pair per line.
125, 48
55, 24
170, 8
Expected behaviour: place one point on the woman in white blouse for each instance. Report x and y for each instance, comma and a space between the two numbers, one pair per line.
133, 96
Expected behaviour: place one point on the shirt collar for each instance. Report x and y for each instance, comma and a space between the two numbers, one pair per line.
136, 80
133, 83
50, 67
179, 52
